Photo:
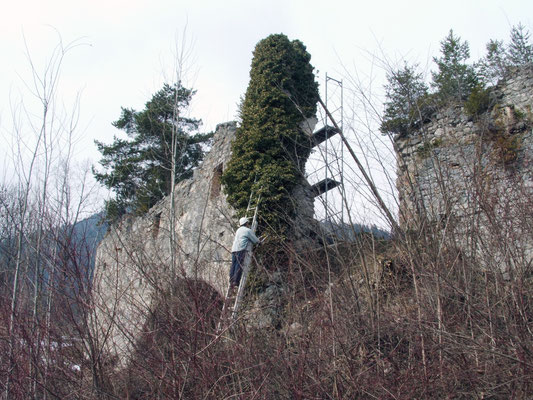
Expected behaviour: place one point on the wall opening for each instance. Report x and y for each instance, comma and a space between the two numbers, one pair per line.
216, 181
155, 225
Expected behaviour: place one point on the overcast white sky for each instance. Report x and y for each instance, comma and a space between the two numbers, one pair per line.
129, 46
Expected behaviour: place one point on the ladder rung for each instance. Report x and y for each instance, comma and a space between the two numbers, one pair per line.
230, 311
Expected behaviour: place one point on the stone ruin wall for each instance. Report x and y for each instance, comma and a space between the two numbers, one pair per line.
472, 178
133, 260
450, 177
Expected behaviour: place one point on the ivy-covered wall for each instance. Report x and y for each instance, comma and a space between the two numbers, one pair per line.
270, 148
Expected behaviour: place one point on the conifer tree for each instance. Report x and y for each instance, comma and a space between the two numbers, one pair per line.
493, 66
454, 80
520, 51
138, 170
405, 93
270, 148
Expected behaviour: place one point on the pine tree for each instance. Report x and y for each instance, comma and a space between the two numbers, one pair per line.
138, 170
455, 79
494, 65
270, 148
520, 51
405, 93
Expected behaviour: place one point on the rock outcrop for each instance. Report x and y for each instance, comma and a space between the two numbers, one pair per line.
139, 258
471, 177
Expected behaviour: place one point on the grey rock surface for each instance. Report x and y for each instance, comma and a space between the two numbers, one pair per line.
470, 178
134, 261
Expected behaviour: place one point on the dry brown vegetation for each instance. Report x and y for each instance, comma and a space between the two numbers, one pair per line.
412, 317
395, 320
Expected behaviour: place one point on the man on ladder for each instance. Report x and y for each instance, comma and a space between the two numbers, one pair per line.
243, 237
241, 254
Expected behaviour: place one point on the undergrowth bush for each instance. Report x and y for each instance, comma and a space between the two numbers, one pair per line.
478, 101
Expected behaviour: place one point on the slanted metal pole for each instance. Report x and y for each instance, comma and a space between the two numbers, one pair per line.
373, 188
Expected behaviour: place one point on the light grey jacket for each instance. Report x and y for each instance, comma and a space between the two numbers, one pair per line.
242, 237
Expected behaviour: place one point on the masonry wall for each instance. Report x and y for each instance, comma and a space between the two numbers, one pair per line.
134, 261
470, 179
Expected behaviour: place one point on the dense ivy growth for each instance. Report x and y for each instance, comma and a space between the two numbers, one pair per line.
270, 148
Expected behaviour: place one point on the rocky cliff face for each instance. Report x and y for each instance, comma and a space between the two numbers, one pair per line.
134, 261
470, 177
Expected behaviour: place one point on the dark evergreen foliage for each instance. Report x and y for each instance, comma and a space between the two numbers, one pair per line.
270, 148
454, 79
520, 51
494, 65
478, 102
407, 101
139, 169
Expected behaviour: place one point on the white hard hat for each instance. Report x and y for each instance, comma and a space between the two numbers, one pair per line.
243, 221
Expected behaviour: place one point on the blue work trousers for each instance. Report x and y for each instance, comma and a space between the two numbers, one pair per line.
237, 262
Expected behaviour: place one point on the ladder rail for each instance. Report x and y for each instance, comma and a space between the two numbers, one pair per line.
224, 311
245, 270
242, 284
245, 267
